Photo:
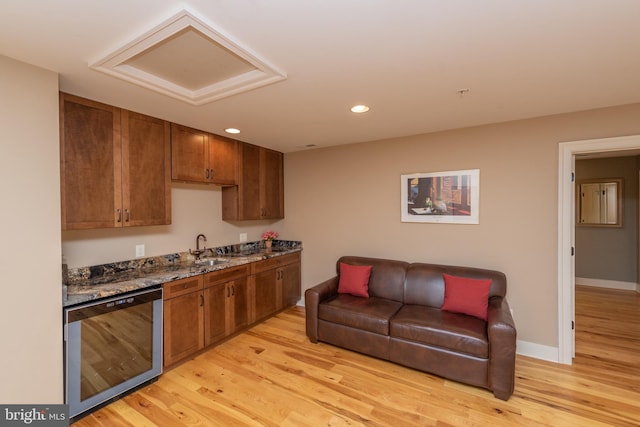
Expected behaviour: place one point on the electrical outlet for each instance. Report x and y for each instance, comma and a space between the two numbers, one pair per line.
139, 250
243, 237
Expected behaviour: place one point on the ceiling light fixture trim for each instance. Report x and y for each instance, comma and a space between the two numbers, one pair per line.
119, 62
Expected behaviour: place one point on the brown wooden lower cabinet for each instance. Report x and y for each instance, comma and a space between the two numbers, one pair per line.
226, 303
265, 290
183, 325
202, 310
276, 284
290, 278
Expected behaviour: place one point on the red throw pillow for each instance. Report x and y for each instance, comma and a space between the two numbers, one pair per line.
466, 296
354, 280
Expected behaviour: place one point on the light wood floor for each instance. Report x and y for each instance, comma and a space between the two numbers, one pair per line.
273, 376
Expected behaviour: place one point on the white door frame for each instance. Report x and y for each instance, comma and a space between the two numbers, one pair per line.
566, 231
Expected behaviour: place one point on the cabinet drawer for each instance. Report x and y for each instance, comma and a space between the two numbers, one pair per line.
182, 287
226, 275
275, 262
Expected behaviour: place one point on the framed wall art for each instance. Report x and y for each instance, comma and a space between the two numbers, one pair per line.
441, 197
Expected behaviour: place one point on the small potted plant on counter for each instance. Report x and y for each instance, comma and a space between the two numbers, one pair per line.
268, 237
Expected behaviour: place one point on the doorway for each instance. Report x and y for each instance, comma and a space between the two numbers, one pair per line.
566, 231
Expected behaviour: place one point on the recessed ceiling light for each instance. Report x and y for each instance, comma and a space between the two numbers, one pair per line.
359, 108
232, 130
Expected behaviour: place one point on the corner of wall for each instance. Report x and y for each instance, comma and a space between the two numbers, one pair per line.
538, 351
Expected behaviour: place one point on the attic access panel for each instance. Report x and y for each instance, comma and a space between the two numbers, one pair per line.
187, 59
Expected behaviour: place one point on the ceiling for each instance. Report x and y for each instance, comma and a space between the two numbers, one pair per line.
421, 65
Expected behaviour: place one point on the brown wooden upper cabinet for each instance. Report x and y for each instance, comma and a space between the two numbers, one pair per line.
115, 166
198, 156
260, 190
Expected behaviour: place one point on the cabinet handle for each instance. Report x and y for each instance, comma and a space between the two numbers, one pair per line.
201, 300
127, 216
228, 292
119, 215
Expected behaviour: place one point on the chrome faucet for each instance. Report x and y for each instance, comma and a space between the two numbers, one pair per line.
198, 241
199, 251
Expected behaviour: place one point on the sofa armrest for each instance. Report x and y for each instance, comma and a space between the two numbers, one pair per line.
312, 299
502, 344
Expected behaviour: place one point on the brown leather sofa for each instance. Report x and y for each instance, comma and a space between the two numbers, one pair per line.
401, 321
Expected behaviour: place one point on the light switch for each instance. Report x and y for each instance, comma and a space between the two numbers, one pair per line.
243, 237
139, 250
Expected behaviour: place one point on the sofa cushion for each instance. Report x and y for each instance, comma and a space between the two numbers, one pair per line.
424, 284
451, 331
466, 295
387, 276
354, 280
370, 314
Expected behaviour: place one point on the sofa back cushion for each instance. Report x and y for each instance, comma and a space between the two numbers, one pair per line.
425, 282
387, 276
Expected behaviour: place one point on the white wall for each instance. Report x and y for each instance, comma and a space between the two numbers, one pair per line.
196, 209
346, 201
31, 313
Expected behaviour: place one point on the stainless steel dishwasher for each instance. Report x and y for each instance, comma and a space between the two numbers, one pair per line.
112, 346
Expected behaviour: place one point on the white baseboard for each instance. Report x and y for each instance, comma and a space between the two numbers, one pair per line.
538, 351
610, 284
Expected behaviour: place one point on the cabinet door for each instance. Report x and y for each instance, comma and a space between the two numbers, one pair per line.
223, 160
215, 313
265, 294
183, 326
260, 190
189, 150
272, 185
249, 204
226, 302
240, 301
90, 164
146, 170
289, 277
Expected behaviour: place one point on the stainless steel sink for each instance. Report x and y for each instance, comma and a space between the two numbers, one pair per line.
211, 261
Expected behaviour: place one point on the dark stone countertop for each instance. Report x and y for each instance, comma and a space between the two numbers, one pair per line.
98, 282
